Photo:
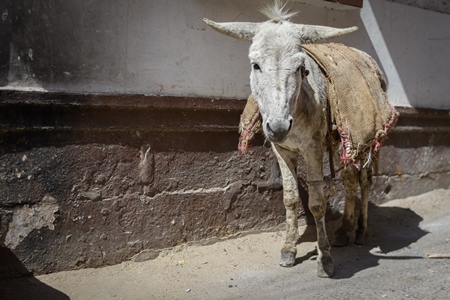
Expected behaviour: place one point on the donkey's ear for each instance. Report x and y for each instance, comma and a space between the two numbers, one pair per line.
315, 33
239, 30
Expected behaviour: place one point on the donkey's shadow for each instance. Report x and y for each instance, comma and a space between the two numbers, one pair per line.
390, 229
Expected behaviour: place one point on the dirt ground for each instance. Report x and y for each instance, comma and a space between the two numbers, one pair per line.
393, 265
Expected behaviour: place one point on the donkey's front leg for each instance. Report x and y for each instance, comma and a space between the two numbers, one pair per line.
317, 204
287, 161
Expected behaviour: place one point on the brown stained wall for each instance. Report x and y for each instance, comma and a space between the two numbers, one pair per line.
93, 180
110, 206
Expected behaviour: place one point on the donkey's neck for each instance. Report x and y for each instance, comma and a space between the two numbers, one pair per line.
310, 117
311, 103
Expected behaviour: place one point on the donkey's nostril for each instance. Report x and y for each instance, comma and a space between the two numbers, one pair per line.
290, 124
269, 130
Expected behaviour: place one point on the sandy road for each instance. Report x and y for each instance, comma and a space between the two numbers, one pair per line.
393, 265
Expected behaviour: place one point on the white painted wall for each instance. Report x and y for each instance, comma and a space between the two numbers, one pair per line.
412, 46
178, 54
164, 48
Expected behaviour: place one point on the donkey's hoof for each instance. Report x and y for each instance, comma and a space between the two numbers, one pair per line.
325, 267
288, 253
361, 238
287, 259
341, 238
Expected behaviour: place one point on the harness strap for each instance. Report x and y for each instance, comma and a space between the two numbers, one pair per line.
330, 141
315, 182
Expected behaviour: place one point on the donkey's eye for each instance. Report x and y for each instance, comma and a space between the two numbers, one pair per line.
256, 67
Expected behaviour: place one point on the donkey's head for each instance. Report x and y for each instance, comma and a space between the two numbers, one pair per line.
277, 63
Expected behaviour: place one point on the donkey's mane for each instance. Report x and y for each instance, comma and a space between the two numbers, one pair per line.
277, 11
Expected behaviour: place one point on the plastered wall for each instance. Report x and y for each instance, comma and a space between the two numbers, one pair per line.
164, 48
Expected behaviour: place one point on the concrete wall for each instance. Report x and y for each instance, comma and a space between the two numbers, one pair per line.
164, 48
434, 5
412, 45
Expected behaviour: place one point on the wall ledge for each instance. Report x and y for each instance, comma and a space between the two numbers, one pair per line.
334, 4
33, 119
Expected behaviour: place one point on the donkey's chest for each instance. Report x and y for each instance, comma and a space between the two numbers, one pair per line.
300, 139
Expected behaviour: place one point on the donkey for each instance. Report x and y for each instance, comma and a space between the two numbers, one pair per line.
290, 91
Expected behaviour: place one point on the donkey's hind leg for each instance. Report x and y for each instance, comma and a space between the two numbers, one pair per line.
365, 179
350, 179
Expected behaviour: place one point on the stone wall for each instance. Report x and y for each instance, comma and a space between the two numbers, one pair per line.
94, 180
83, 187
91, 179
92, 205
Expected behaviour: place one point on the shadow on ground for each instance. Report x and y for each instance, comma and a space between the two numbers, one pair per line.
16, 282
246, 269
390, 229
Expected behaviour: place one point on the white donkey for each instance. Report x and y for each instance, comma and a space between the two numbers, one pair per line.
293, 107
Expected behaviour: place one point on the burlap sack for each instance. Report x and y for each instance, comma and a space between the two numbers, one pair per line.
357, 98
249, 125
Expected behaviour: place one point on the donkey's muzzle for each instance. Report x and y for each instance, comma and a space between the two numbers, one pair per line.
277, 129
